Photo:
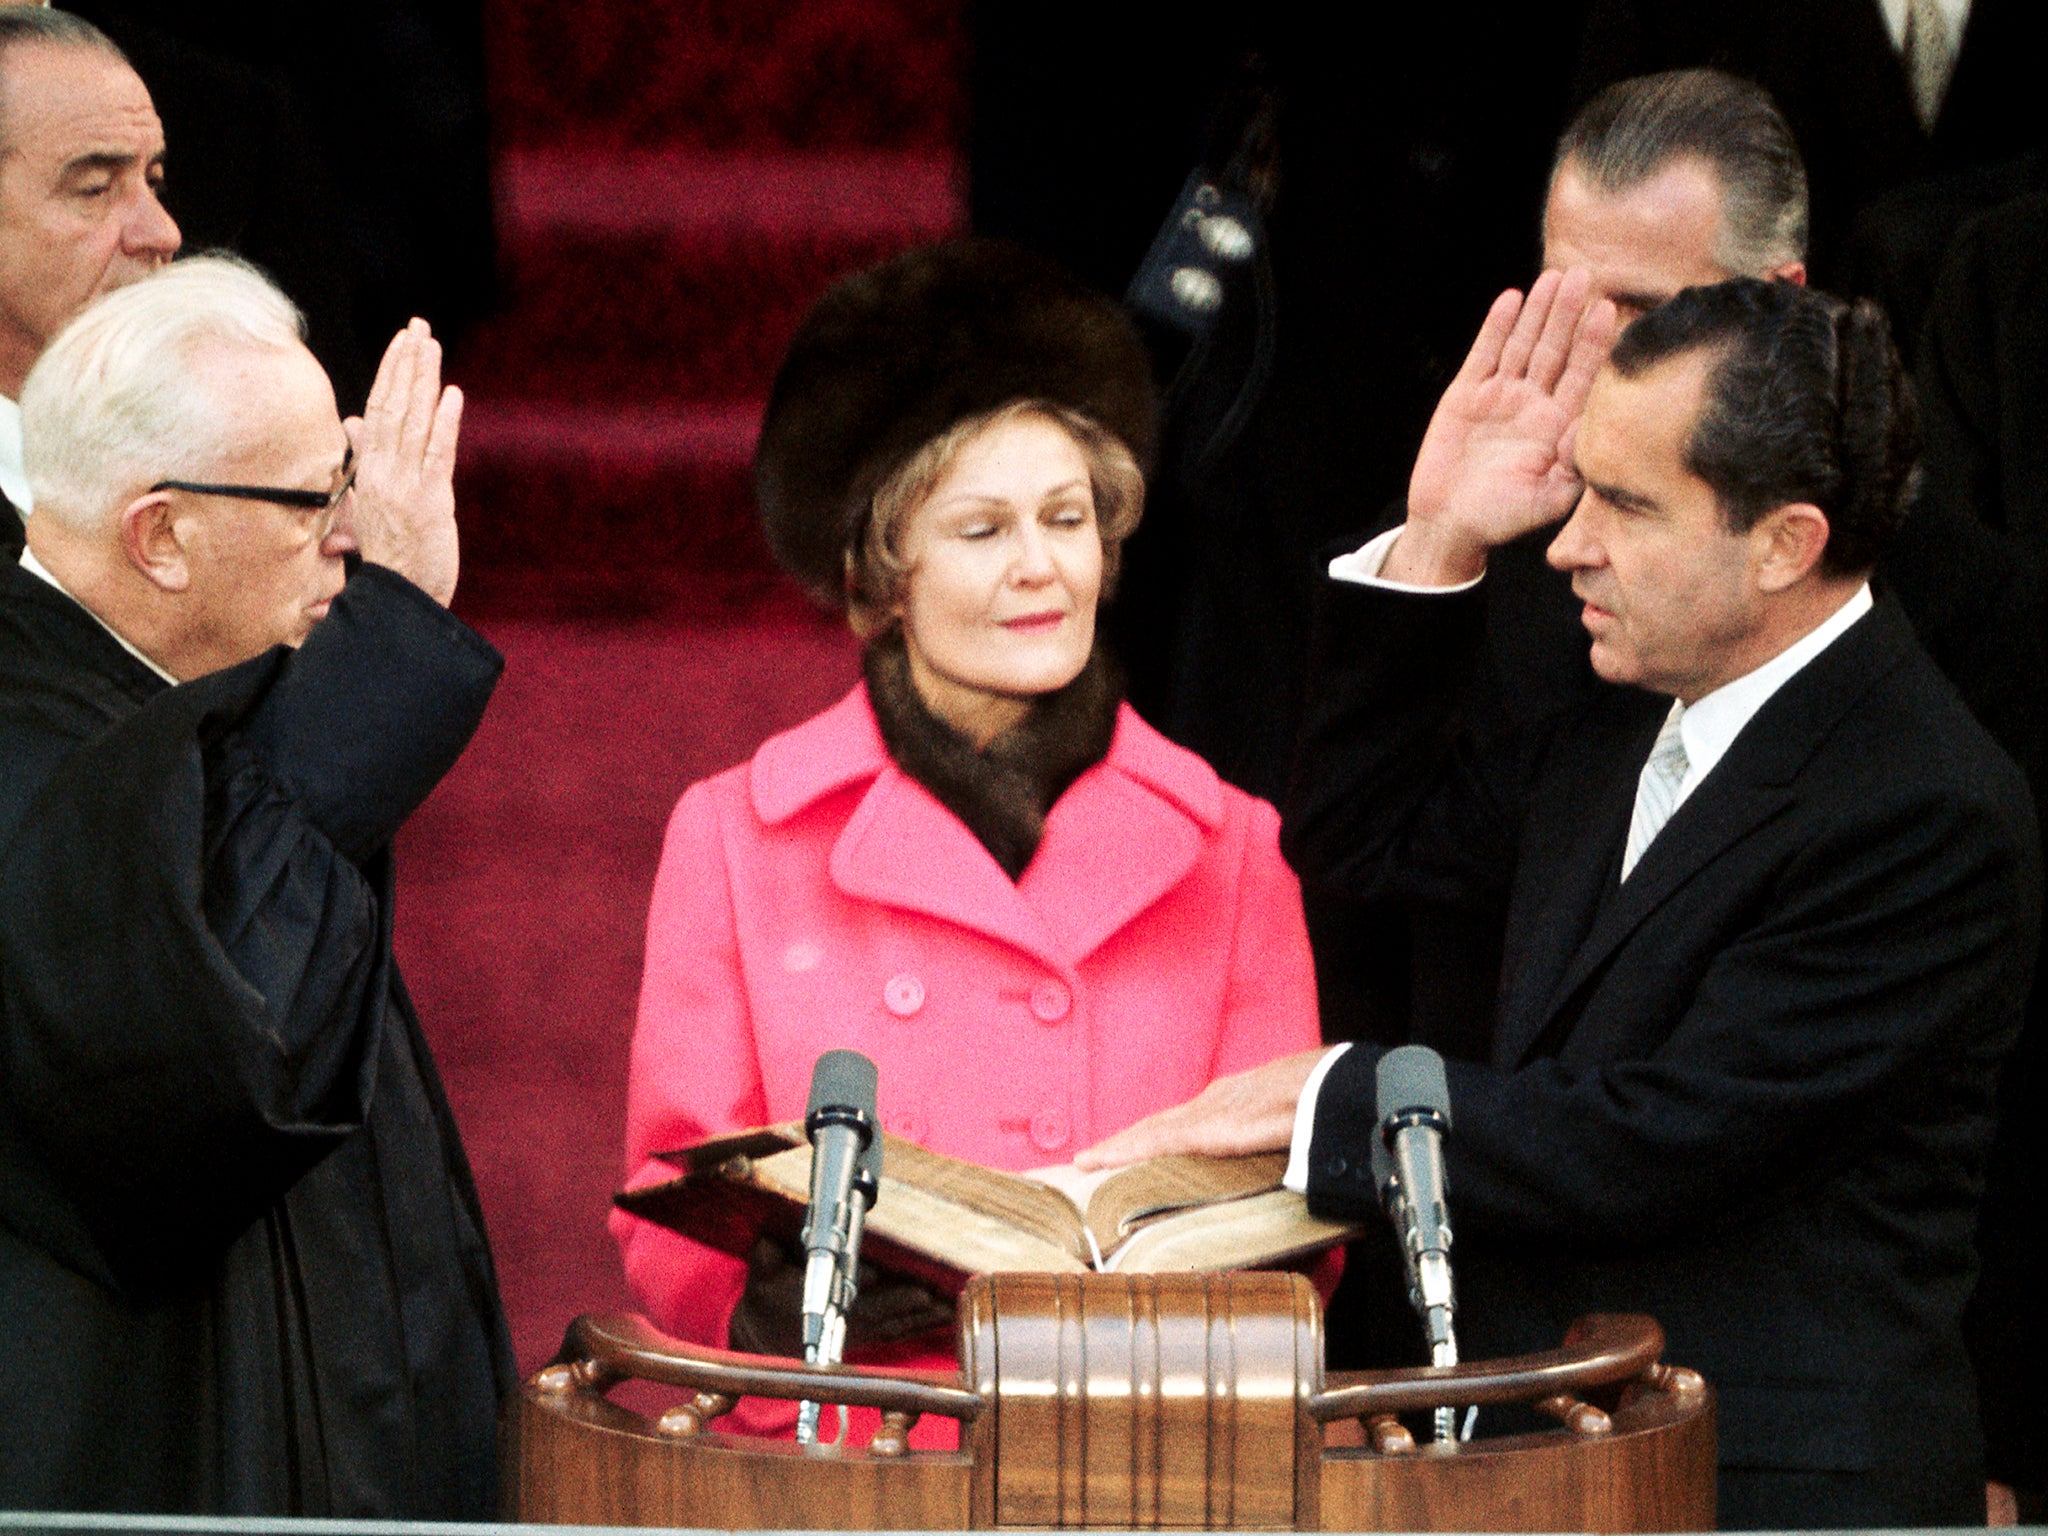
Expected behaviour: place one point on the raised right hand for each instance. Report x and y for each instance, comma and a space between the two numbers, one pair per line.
402, 511
1497, 459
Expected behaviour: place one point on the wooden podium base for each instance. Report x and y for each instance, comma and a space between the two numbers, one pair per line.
1125, 1402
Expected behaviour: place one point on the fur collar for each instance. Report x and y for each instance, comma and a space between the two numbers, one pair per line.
1002, 792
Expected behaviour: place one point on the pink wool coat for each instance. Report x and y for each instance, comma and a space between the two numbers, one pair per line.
820, 897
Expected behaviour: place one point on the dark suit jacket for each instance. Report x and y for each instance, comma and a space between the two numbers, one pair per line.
1750, 1090
12, 534
1983, 387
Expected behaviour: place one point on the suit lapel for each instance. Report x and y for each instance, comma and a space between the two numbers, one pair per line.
1749, 786
1722, 811
1579, 867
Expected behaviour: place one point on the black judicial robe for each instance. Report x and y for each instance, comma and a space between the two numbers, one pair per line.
242, 1264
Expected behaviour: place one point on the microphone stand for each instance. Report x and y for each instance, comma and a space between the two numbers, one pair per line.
830, 1287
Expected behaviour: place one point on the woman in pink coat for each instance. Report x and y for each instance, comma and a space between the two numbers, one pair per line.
1042, 920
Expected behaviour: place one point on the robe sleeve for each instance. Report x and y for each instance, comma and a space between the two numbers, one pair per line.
195, 933
695, 1070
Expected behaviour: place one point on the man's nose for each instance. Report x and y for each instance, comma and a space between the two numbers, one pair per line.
339, 540
150, 229
1573, 548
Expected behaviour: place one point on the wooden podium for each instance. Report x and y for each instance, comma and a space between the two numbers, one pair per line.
1189, 1401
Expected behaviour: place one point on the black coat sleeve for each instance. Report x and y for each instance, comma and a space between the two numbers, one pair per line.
194, 934
1399, 790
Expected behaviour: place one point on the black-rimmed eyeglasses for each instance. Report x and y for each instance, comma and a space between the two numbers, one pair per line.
284, 496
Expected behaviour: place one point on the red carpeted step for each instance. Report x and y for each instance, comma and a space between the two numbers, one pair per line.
550, 530
677, 278
613, 408
728, 74
522, 896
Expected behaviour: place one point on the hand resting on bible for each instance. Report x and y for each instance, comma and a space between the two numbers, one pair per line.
1247, 1112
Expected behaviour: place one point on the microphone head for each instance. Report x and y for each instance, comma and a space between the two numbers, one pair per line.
1410, 1079
843, 1080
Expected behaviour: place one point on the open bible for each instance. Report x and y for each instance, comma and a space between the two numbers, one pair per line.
942, 1220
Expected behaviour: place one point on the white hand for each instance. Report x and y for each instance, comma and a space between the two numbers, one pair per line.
402, 513
1497, 459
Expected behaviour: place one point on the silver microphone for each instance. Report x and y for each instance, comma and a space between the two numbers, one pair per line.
846, 1172
1414, 1102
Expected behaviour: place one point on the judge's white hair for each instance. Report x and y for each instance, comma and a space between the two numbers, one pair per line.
117, 401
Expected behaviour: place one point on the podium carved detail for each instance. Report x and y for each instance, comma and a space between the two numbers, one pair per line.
1176, 1401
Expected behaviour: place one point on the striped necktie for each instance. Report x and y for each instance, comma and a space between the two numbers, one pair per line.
1930, 55
1657, 788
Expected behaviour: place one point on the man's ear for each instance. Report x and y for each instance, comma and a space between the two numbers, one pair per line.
154, 543
1789, 542
1793, 272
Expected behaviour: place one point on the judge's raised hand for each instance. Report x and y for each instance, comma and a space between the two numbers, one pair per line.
1497, 459
1244, 1113
402, 512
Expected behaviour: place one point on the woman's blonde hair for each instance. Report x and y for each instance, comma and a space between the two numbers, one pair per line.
875, 570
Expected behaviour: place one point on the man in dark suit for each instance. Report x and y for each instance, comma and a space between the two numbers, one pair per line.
1766, 944
1983, 390
1879, 92
81, 161
242, 1262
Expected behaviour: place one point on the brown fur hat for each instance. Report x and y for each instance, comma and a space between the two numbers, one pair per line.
892, 356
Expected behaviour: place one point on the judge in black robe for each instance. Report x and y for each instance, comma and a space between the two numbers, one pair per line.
242, 1263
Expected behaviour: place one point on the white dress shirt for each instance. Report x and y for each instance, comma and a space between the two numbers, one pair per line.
13, 478
1709, 728
35, 567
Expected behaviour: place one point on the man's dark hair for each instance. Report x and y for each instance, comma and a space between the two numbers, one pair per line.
1635, 129
1806, 401
23, 24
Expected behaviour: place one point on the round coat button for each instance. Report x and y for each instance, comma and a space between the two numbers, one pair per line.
903, 995
1050, 1000
1049, 1130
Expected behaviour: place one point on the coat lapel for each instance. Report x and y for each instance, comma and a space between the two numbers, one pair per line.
1563, 911
1112, 848
1749, 786
903, 849
1124, 834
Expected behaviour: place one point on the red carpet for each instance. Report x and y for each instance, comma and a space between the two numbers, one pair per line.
676, 183
523, 886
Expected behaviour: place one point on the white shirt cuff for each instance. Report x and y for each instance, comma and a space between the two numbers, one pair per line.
1363, 565
1296, 1177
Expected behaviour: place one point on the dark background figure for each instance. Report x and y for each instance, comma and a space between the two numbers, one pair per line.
1846, 85
1983, 386
371, 199
242, 174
